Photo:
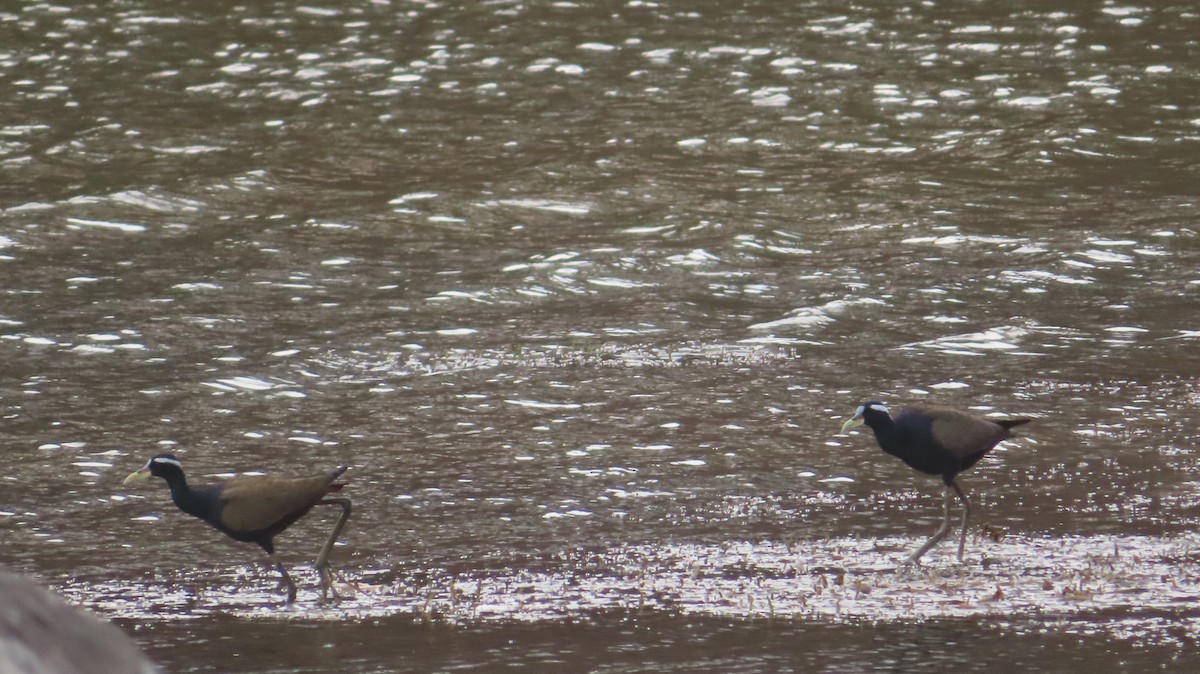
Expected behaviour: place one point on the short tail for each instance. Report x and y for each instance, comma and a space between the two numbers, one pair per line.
1008, 424
333, 475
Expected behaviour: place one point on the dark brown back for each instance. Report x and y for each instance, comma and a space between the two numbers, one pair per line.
254, 503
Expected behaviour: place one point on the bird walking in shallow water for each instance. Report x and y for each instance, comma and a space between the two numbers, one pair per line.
938, 441
255, 508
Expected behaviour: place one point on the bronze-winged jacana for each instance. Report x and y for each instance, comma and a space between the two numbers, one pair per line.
255, 508
938, 441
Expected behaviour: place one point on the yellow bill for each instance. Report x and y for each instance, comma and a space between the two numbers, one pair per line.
137, 476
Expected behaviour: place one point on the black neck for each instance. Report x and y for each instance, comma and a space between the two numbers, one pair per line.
188, 500
886, 434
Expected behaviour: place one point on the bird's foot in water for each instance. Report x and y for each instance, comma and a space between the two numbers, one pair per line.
328, 589
909, 566
290, 588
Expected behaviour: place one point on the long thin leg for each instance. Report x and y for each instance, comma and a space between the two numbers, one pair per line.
914, 558
962, 538
323, 558
286, 579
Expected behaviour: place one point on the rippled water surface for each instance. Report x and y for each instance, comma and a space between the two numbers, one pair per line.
581, 292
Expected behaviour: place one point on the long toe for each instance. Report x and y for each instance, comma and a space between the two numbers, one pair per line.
908, 566
327, 588
291, 589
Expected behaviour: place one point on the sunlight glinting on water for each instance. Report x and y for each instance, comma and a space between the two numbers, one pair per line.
581, 296
842, 579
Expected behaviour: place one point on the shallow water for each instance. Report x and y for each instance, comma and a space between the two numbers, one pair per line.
581, 293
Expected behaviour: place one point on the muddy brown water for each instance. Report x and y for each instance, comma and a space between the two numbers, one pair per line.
581, 293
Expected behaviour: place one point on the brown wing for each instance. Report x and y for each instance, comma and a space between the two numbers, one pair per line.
964, 433
254, 503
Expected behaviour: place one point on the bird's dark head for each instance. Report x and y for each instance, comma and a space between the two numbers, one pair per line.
869, 413
166, 466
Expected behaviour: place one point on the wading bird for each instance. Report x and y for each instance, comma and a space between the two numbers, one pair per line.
938, 441
255, 508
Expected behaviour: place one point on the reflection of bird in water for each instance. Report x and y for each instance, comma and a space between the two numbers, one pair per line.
254, 508
42, 634
938, 441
